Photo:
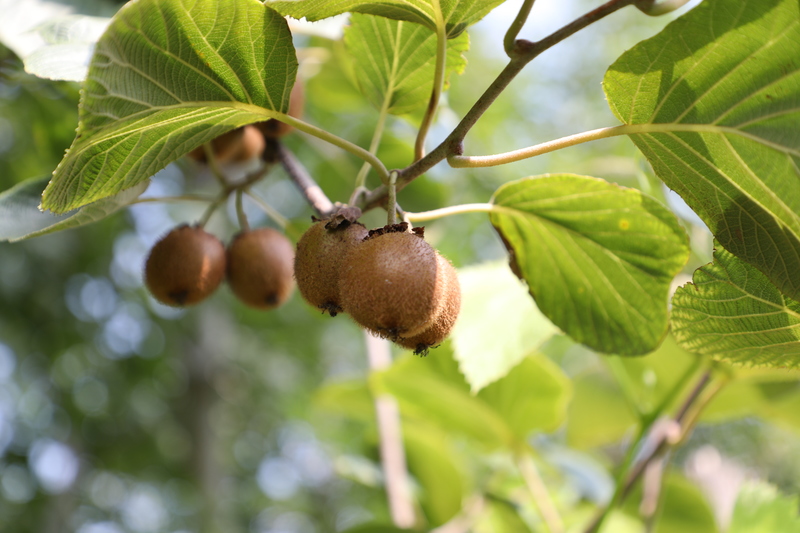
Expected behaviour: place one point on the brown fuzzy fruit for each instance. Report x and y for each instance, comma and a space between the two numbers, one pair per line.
241, 144
275, 129
444, 319
185, 266
319, 260
391, 283
260, 268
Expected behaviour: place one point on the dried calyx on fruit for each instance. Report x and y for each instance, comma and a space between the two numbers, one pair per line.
259, 267
185, 266
318, 260
397, 286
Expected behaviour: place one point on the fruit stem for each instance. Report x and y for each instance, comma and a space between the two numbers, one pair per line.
391, 203
511, 35
438, 82
211, 160
211, 208
271, 212
361, 178
240, 214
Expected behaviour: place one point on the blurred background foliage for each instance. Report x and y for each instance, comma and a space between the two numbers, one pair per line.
118, 414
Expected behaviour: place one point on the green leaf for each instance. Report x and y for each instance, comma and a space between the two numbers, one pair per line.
498, 318
21, 218
598, 413
760, 508
351, 399
683, 508
426, 397
733, 313
716, 97
395, 61
376, 528
500, 517
457, 14
534, 395
167, 76
431, 460
598, 258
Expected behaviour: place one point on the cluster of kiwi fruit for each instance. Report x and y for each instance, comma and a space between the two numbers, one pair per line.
188, 264
389, 280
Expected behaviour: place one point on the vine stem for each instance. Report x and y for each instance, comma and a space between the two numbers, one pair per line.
661, 442
513, 30
361, 178
312, 192
391, 204
393, 458
213, 165
459, 161
243, 224
438, 82
448, 211
170, 199
271, 212
541, 497
524, 52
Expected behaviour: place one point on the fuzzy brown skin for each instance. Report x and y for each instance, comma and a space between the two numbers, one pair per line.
319, 260
445, 317
260, 268
185, 266
390, 285
241, 144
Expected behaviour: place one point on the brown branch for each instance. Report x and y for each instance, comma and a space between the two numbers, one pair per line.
312, 192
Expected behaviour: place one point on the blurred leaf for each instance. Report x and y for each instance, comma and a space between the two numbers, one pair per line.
716, 93
500, 517
683, 508
426, 397
498, 325
53, 40
457, 14
376, 528
20, 217
732, 312
760, 508
534, 395
395, 61
351, 399
431, 461
598, 413
598, 258
167, 76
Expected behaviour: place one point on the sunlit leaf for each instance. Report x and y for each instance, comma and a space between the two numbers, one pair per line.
733, 313
456, 14
498, 325
717, 98
154, 93
534, 395
395, 60
760, 508
21, 218
598, 258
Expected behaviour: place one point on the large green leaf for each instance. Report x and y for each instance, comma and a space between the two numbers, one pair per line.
716, 100
498, 325
456, 14
733, 313
534, 395
395, 61
598, 258
760, 508
20, 217
167, 76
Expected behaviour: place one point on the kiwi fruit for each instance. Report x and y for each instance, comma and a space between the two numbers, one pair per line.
241, 144
259, 268
392, 283
445, 318
185, 266
319, 260
275, 129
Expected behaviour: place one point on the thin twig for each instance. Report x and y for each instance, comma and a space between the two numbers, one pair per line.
513, 30
527, 51
438, 83
393, 457
300, 176
541, 497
